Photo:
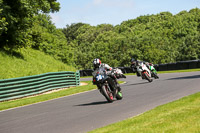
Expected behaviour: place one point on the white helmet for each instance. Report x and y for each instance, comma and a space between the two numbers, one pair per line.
96, 63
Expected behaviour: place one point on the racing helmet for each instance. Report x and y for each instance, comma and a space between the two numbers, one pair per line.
96, 63
133, 61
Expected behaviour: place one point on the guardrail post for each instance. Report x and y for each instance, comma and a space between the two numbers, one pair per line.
77, 75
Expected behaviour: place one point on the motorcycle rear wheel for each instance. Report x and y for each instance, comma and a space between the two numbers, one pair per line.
155, 75
106, 91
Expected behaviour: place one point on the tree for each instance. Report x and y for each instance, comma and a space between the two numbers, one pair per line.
3, 22
45, 37
18, 17
71, 31
160, 38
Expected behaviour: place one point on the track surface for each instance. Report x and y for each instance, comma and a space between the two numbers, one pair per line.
87, 111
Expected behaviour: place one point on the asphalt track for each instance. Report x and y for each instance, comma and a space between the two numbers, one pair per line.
87, 111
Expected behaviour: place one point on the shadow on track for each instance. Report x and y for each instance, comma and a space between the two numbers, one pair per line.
93, 103
187, 77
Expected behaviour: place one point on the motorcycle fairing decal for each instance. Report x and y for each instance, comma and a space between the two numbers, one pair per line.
150, 67
119, 93
99, 77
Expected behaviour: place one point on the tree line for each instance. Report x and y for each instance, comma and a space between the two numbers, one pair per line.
160, 38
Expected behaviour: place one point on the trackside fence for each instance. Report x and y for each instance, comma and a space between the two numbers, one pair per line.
31, 85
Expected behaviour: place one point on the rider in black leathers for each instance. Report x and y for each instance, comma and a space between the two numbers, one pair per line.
134, 64
97, 64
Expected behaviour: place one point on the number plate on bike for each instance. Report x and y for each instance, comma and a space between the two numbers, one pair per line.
99, 77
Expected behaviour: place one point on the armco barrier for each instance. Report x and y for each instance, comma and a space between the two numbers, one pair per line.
191, 64
31, 85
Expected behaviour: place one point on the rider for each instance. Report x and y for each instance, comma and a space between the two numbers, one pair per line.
134, 64
97, 64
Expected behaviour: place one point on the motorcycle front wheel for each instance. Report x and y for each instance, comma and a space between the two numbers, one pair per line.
106, 91
119, 95
147, 77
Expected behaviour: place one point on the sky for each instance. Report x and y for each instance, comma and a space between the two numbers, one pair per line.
95, 12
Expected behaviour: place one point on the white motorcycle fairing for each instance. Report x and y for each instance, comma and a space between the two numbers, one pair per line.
142, 67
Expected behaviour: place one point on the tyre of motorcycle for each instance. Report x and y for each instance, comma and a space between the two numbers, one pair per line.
106, 91
113, 85
119, 95
155, 75
147, 77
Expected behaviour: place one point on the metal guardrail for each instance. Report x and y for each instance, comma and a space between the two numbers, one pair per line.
30, 85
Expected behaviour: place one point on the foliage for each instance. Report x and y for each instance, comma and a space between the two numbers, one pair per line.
160, 38
71, 31
17, 17
47, 38
3, 22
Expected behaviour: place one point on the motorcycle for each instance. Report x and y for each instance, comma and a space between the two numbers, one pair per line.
118, 73
144, 71
107, 85
153, 71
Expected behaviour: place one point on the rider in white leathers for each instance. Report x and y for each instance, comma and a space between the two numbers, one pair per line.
135, 63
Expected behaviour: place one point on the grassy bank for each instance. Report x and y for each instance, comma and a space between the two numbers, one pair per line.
181, 116
27, 62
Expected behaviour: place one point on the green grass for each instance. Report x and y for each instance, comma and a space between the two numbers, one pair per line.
179, 71
181, 116
29, 62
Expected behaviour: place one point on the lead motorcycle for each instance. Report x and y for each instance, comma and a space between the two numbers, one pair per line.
107, 86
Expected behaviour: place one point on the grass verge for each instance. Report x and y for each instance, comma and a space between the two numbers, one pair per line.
181, 116
177, 71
